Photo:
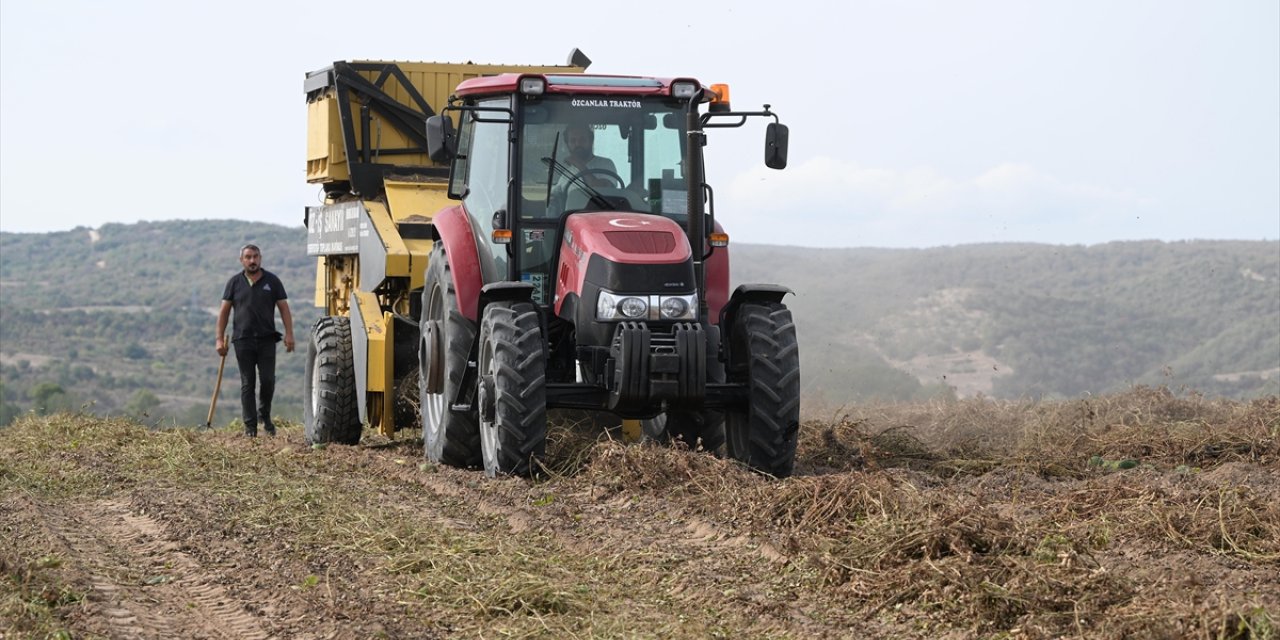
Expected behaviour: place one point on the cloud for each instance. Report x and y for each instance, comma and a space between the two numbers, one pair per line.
829, 202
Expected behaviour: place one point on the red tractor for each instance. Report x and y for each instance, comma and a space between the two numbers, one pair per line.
584, 269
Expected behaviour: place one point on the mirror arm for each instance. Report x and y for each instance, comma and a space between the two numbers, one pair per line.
741, 115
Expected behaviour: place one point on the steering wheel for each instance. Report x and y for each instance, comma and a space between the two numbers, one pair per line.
604, 172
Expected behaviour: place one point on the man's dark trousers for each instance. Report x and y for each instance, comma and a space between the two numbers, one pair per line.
256, 358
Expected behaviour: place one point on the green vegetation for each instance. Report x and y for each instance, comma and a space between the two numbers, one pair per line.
94, 318
121, 320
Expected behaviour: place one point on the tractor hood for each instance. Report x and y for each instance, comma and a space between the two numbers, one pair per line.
639, 243
632, 238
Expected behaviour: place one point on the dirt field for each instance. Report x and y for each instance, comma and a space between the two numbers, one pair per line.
1142, 515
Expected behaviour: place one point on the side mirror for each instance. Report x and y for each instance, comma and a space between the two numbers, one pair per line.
442, 144
775, 146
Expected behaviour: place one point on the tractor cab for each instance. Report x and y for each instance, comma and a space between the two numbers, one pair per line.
573, 152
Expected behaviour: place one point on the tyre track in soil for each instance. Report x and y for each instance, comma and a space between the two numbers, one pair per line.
620, 525
141, 585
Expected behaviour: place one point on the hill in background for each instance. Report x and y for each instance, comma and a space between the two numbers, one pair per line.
121, 318
1027, 320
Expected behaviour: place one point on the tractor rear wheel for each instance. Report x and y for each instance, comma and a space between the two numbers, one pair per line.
331, 413
449, 436
512, 393
765, 356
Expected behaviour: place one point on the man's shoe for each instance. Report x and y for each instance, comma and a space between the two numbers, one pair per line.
269, 428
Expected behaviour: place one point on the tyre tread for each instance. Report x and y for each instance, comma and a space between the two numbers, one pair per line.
334, 399
520, 398
763, 435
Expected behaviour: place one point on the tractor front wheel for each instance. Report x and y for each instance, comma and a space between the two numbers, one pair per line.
511, 389
765, 356
449, 435
331, 413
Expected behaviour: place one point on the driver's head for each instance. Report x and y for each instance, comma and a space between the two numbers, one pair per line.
580, 140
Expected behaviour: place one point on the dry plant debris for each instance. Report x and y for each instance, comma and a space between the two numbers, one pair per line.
973, 518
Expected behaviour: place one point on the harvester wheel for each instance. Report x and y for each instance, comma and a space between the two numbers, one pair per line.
765, 356
512, 393
331, 413
448, 435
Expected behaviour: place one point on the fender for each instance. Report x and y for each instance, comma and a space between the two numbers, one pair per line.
452, 227
504, 292
745, 293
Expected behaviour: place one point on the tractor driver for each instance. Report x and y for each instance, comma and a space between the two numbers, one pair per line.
580, 141
582, 172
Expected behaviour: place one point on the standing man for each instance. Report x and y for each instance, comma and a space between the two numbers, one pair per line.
255, 294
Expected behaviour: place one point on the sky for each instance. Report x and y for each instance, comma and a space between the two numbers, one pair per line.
913, 123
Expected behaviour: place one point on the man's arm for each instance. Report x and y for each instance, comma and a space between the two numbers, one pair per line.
603, 164
223, 315
286, 317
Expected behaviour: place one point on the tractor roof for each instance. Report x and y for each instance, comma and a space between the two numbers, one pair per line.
569, 83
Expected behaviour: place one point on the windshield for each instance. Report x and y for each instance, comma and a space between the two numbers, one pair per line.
601, 153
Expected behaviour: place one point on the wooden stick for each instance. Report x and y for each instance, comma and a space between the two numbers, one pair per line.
213, 404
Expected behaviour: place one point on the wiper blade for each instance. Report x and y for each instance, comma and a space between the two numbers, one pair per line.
596, 197
551, 167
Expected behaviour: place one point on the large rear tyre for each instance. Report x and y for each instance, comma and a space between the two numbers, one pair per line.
765, 356
449, 436
512, 390
331, 413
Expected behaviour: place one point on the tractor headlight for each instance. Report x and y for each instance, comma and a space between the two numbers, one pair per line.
677, 307
633, 307
533, 85
617, 306
683, 89
613, 306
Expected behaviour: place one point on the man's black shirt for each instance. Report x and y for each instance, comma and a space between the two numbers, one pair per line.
254, 304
